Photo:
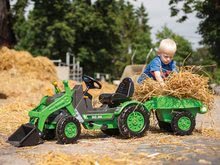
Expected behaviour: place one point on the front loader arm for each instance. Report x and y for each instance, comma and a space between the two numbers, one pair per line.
63, 101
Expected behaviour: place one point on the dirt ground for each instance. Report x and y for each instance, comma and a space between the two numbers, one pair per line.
156, 147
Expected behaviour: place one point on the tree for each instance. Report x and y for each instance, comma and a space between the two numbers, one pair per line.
209, 13
95, 39
20, 25
134, 32
201, 57
7, 37
184, 47
142, 42
99, 34
46, 30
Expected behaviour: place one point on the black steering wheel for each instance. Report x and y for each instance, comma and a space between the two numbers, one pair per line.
91, 83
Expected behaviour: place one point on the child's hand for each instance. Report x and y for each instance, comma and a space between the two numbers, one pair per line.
159, 78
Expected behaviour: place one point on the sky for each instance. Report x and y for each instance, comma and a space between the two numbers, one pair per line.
159, 15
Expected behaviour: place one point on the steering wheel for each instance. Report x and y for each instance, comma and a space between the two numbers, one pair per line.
91, 83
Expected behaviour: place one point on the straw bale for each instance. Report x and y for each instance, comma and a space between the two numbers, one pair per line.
23, 75
13, 115
184, 84
22, 63
22, 86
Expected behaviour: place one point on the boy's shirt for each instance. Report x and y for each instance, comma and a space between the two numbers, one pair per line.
157, 65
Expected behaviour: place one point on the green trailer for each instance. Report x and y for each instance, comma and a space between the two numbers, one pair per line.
62, 115
176, 115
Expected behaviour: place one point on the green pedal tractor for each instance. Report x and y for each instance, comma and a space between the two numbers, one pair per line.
61, 116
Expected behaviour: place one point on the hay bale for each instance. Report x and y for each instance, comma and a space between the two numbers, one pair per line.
24, 75
21, 63
23, 86
184, 84
13, 115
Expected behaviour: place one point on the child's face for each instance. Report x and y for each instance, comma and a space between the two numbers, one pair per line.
166, 58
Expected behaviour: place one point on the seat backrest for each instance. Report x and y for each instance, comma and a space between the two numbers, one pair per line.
126, 87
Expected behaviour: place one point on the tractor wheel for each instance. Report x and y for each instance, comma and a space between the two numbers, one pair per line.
111, 132
183, 123
133, 121
49, 134
68, 130
164, 125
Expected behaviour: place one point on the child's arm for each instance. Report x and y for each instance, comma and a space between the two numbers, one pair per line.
158, 77
173, 67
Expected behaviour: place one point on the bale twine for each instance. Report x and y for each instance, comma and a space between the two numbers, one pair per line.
184, 84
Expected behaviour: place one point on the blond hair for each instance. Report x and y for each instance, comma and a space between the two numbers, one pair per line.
167, 46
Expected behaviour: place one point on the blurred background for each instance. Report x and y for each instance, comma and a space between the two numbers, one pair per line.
101, 37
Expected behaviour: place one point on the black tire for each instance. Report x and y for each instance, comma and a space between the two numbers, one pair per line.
64, 127
111, 132
49, 134
164, 125
123, 124
183, 123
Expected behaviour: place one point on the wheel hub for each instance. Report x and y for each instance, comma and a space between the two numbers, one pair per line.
184, 123
135, 121
70, 130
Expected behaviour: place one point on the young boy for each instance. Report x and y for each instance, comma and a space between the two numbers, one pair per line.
161, 66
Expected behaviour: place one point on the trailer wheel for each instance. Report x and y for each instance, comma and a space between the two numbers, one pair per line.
111, 132
164, 125
68, 130
183, 123
49, 134
133, 121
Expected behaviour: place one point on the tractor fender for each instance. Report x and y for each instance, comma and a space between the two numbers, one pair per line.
60, 103
126, 104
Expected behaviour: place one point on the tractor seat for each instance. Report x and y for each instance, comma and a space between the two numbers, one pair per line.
123, 93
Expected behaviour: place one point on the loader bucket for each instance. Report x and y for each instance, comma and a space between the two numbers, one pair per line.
25, 135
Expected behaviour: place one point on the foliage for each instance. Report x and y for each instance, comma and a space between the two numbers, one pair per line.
209, 13
201, 56
103, 35
216, 76
142, 38
184, 47
46, 31
207, 66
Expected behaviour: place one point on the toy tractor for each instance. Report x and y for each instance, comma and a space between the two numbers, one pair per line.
60, 115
